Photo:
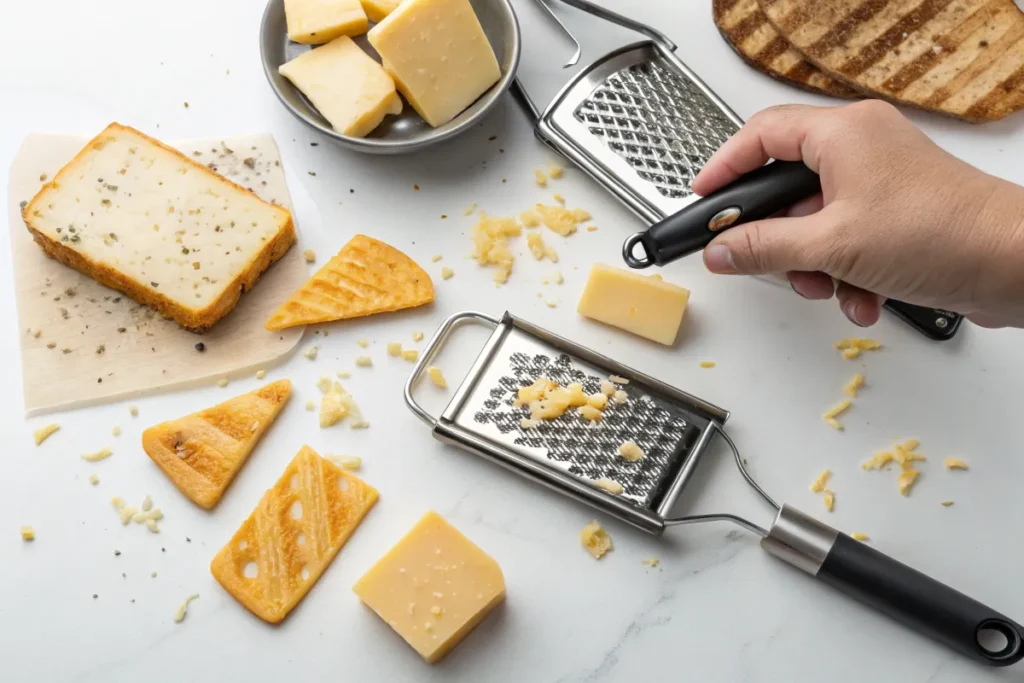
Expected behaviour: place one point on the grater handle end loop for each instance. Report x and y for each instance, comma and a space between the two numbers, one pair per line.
629, 251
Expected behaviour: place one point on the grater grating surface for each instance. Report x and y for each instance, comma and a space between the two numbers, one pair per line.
656, 119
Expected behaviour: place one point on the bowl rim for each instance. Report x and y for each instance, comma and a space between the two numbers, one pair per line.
381, 145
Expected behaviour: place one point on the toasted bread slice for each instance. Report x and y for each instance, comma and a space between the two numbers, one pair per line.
142, 218
291, 537
202, 452
748, 31
364, 278
963, 58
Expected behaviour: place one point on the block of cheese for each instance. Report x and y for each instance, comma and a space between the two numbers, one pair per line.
346, 86
647, 306
320, 21
438, 55
376, 10
433, 587
142, 218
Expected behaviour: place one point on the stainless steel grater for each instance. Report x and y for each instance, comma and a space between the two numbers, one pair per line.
570, 455
642, 124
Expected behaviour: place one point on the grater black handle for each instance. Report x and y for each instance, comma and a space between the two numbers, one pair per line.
757, 195
919, 601
877, 580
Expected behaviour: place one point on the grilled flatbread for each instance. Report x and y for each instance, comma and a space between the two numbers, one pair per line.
748, 31
964, 58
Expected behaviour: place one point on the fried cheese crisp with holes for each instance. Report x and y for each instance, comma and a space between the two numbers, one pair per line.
201, 453
292, 536
365, 278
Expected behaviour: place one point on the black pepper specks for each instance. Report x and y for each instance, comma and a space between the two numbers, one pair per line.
200, 347
117, 553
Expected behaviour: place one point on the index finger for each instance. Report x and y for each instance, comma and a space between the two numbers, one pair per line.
775, 133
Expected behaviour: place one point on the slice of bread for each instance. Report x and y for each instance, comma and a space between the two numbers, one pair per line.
142, 218
963, 59
747, 31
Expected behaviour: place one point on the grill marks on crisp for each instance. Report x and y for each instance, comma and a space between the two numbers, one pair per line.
960, 57
747, 30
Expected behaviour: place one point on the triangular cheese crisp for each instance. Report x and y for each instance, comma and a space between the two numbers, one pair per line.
364, 278
202, 452
291, 537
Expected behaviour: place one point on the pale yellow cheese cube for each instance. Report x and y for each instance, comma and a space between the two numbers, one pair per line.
346, 86
644, 305
438, 55
433, 587
376, 10
320, 21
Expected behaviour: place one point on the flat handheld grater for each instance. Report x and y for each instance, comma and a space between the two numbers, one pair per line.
642, 124
674, 429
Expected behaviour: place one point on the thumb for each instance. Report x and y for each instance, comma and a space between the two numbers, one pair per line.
773, 245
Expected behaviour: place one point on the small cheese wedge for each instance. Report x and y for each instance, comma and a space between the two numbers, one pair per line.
292, 536
644, 305
345, 85
376, 10
320, 21
433, 587
438, 54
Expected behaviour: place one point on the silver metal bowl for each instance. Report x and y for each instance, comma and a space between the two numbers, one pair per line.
406, 132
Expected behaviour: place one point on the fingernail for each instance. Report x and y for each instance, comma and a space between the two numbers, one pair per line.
851, 309
797, 290
718, 259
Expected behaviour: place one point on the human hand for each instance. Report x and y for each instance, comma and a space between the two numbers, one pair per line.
897, 216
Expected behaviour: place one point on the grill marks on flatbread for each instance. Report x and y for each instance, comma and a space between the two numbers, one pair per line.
964, 58
748, 31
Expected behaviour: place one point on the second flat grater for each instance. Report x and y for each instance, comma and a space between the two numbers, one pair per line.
643, 124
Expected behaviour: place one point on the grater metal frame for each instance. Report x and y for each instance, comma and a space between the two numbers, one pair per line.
652, 518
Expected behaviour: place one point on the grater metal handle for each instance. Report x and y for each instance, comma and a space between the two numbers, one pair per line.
755, 196
905, 594
623, 21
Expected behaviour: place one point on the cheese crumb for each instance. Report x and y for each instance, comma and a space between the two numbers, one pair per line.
855, 383
147, 504
561, 220
469, 209
596, 540
946, 503
133, 411
447, 273
310, 405
829, 498
116, 431
364, 343
834, 423
877, 461
436, 377
94, 479
955, 464
364, 362
555, 171
436, 258
618, 380
309, 255
557, 277
260, 374
28, 533
540, 178
630, 451
607, 388
98, 455
222, 382
348, 462
906, 481
411, 355
559, 198
650, 562
620, 397
490, 245
591, 413
311, 352
707, 364
179, 615
343, 374
417, 336
599, 401
43, 433
851, 353
859, 536
527, 423
395, 348
540, 250
835, 411
591, 228
323, 384
151, 525
331, 409
530, 219
852, 346
818, 485
550, 303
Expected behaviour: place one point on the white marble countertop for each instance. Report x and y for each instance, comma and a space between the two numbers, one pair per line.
716, 609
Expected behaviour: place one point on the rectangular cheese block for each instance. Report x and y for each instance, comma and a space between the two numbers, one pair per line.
347, 87
142, 218
433, 587
438, 55
647, 306
376, 10
320, 21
